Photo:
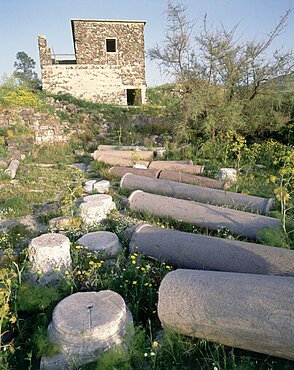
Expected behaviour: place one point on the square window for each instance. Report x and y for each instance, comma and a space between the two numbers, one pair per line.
111, 45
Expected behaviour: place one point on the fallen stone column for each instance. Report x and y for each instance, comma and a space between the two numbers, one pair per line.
203, 215
187, 178
194, 251
120, 161
85, 325
12, 168
49, 255
177, 165
195, 193
103, 147
128, 154
253, 312
121, 171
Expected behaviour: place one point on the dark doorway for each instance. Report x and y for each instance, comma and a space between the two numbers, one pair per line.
134, 97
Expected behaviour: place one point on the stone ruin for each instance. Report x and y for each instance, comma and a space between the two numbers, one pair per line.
108, 64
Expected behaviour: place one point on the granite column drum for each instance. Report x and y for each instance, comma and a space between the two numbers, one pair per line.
194, 251
175, 165
85, 325
203, 215
196, 193
253, 312
120, 161
103, 242
187, 178
121, 171
49, 255
95, 208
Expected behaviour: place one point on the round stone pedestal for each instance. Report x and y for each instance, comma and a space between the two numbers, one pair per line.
95, 208
49, 255
101, 187
101, 242
85, 325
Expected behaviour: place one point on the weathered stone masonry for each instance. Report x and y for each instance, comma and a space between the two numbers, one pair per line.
108, 64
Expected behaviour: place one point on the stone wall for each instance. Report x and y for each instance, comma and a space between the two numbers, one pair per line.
46, 128
98, 75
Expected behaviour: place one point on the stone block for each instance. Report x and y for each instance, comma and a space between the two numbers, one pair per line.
101, 187
95, 208
85, 325
101, 242
203, 215
253, 312
201, 252
60, 223
228, 174
49, 255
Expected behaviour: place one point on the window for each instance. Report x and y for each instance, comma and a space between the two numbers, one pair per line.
111, 45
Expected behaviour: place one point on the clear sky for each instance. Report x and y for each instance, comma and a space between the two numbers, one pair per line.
22, 20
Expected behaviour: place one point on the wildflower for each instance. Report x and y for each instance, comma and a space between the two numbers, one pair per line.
168, 267
133, 257
91, 263
79, 272
145, 354
150, 284
56, 269
12, 319
155, 344
143, 268
148, 267
133, 262
134, 282
66, 272
39, 272
152, 354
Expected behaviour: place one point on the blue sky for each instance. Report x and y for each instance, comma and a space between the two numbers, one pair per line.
22, 20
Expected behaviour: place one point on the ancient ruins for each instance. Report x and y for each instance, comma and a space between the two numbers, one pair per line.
107, 66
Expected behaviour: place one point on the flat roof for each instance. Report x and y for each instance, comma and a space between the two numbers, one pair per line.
109, 20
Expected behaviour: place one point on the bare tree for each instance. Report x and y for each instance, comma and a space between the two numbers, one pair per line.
222, 75
174, 56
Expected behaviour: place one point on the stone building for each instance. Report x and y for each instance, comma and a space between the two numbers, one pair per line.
108, 65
